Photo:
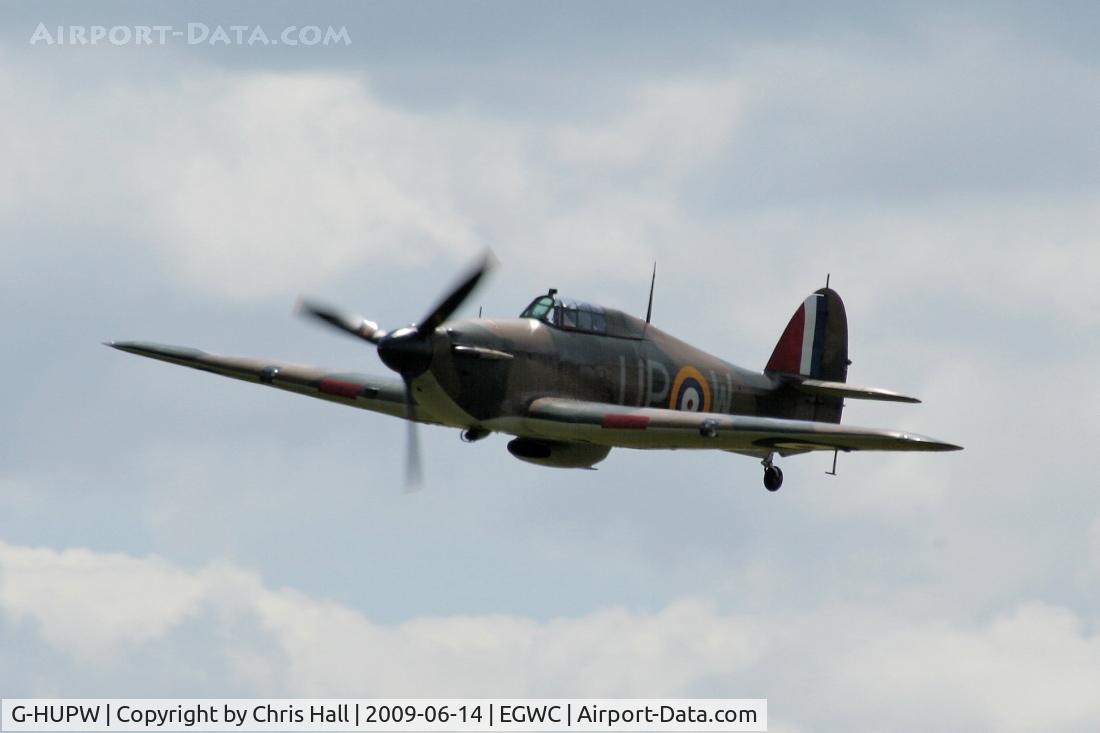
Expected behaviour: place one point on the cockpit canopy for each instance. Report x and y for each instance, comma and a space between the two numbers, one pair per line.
576, 315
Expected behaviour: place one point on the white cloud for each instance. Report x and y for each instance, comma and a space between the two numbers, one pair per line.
252, 183
99, 604
1035, 666
248, 183
668, 128
91, 603
271, 176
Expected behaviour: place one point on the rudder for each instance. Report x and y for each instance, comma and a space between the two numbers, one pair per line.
815, 343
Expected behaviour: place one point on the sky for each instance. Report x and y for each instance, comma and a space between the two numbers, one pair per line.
166, 533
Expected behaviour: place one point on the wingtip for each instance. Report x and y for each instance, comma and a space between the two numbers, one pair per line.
925, 443
121, 345
939, 445
128, 346
888, 395
155, 350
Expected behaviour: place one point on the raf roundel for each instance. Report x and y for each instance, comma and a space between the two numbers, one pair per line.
690, 391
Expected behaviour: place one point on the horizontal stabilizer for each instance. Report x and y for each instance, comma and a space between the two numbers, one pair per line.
843, 389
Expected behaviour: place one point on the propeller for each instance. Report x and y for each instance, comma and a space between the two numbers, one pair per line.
350, 323
413, 473
407, 351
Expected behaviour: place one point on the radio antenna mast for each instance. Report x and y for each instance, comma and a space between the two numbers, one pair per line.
652, 282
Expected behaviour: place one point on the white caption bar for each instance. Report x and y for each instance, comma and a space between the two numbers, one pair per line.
273, 716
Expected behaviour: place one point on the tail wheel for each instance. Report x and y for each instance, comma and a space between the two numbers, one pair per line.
773, 478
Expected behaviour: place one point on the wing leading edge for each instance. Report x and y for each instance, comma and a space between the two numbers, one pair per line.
651, 427
377, 394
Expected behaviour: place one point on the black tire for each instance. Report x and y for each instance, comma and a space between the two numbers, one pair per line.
773, 478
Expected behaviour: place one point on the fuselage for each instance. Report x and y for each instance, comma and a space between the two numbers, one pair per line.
494, 368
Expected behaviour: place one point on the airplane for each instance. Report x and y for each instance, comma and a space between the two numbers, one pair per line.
570, 380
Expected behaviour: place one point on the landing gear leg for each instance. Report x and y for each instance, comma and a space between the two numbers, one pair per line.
773, 475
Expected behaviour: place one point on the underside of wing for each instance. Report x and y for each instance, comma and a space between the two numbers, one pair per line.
649, 427
377, 394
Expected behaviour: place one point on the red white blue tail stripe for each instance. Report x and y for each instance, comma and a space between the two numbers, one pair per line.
802, 344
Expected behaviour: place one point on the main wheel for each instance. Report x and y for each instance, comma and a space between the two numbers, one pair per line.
773, 478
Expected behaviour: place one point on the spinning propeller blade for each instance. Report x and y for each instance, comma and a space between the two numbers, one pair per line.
461, 291
350, 323
407, 351
413, 473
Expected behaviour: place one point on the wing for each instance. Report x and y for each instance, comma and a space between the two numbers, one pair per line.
377, 394
651, 427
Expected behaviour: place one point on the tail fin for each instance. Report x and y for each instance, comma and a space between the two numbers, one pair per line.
815, 343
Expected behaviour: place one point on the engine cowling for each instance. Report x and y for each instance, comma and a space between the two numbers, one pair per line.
557, 454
